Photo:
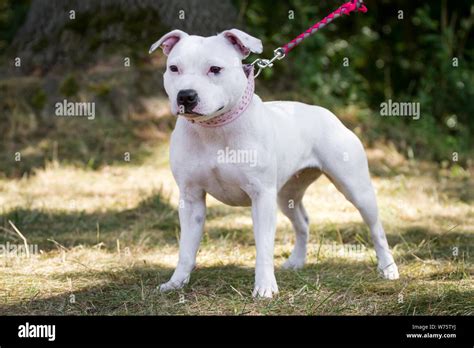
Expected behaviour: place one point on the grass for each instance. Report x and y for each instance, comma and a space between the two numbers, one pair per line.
108, 236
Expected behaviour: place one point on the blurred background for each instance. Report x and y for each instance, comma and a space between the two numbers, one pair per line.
404, 56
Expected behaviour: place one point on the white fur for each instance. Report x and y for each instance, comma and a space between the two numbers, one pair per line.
294, 144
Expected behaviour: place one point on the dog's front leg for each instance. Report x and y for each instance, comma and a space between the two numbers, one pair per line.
264, 212
192, 212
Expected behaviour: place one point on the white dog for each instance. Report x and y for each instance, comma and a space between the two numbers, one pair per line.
292, 145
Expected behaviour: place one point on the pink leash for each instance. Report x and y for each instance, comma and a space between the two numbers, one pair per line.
281, 52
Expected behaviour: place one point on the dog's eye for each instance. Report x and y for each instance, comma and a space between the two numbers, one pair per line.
173, 68
215, 69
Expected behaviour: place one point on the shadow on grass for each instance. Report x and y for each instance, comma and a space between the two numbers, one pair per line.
154, 220
450, 301
126, 291
212, 290
329, 287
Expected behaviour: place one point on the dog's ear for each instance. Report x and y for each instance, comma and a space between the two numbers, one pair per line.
243, 42
167, 41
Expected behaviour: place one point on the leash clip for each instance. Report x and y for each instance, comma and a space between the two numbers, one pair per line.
261, 63
358, 3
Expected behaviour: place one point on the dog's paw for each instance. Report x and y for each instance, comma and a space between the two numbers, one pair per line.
293, 263
389, 272
174, 284
265, 288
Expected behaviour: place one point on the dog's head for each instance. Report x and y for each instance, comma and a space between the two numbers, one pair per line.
204, 76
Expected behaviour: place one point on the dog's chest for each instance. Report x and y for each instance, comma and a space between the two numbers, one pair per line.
224, 181
222, 168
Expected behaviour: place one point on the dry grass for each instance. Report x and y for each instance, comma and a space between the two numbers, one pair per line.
108, 237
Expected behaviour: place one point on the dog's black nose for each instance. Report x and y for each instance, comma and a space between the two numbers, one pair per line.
187, 98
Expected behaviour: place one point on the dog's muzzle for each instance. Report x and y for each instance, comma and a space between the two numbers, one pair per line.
187, 100
237, 110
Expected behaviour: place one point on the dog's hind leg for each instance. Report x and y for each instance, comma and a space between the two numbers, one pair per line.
351, 176
290, 203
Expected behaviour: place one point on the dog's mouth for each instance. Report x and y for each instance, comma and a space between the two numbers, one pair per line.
194, 114
191, 114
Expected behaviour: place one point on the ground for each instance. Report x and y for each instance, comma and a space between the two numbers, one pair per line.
107, 238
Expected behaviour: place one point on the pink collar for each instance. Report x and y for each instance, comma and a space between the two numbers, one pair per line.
236, 111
